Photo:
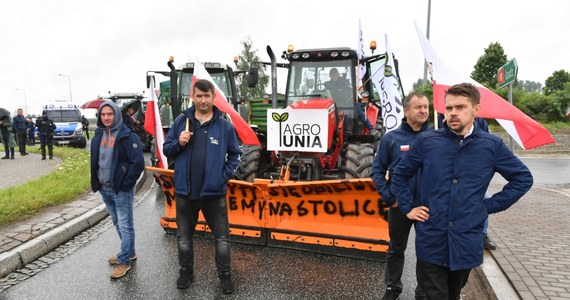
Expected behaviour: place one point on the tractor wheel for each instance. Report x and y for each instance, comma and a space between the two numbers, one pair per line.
357, 161
249, 163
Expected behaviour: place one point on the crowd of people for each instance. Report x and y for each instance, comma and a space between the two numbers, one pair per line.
20, 131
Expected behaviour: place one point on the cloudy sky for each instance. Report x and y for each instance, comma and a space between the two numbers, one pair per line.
108, 45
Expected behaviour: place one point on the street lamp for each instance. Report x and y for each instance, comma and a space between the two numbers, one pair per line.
427, 36
25, 100
68, 78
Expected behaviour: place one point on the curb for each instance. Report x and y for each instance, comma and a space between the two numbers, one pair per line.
494, 280
31, 250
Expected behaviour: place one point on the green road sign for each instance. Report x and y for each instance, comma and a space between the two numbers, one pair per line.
507, 74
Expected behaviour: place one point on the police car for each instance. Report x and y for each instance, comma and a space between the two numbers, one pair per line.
67, 119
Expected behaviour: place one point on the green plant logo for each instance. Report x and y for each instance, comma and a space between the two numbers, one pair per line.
280, 119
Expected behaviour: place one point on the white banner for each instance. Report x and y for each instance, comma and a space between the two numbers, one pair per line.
387, 83
303, 130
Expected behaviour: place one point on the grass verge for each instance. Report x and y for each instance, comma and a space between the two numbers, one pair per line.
64, 184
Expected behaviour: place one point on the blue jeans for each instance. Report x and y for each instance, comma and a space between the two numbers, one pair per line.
120, 207
215, 212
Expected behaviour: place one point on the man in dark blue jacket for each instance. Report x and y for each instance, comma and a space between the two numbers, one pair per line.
117, 162
19, 127
457, 164
206, 153
391, 149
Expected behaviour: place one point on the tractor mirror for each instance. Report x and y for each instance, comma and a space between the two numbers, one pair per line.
148, 78
252, 77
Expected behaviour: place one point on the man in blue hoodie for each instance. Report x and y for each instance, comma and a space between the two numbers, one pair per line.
206, 153
391, 149
116, 163
457, 163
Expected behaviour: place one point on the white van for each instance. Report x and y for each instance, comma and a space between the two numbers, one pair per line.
67, 119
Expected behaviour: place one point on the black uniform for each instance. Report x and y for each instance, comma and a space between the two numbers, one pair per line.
46, 128
85, 125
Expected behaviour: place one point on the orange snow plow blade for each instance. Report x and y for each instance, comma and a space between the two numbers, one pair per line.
338, 217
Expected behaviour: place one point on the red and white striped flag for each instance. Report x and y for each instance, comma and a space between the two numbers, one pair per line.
525, 131
244, 131
153, 125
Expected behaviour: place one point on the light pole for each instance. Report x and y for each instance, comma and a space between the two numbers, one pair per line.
427, 36
25, 100
69, 79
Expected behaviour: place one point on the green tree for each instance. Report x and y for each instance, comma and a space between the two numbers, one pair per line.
487, 65
528, 86
556, 82
247, 59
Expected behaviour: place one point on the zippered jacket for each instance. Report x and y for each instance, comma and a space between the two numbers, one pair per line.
455, 175
392, 147
222, 154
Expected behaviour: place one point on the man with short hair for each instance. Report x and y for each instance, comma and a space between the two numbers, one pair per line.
116, 163
339, 88
457, 163
392, 147
206, 153
19, 127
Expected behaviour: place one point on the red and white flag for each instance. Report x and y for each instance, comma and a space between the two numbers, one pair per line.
525, 131
153, 125
244, 131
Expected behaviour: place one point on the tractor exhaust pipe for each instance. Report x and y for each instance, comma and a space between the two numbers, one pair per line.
175, 103
273, 77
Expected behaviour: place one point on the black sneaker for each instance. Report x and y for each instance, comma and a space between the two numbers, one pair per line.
227, 282
184, 279
391, 294
488, 244
6, 157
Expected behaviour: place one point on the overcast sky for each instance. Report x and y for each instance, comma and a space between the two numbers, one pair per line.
108, 45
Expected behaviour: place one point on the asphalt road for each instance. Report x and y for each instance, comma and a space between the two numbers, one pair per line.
260, 272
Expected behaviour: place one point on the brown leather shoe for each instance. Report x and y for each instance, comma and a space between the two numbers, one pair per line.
120, 270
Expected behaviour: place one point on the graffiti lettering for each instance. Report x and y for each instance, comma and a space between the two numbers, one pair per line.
305, 207
167, 184
308, 190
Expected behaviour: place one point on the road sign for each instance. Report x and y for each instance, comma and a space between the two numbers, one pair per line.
507, 74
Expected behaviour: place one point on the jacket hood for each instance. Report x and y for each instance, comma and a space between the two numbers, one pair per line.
118, 116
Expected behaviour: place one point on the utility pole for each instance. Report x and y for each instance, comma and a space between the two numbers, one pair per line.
427, 36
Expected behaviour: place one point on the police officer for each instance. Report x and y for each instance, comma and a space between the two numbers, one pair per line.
46, 128
85, 125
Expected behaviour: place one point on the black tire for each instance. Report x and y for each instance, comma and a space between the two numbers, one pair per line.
249, 163
82, 143
357, 161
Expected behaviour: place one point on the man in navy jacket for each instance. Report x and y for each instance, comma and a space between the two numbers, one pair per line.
392, 147
117, 162
457, 163
206, 153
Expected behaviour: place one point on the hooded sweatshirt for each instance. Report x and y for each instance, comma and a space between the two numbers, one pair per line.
107, 145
